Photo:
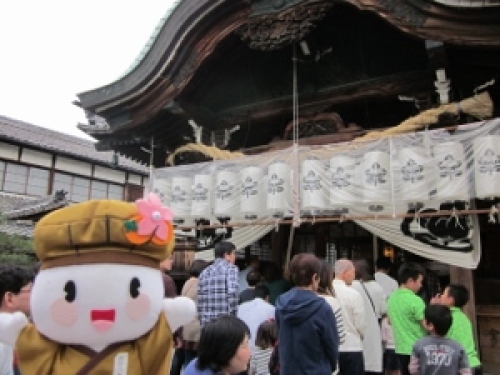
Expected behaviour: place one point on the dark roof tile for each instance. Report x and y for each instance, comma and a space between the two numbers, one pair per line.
47, 139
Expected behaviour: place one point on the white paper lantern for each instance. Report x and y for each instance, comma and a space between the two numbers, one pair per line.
226, 200
452, 177
342, 182
312, 185
486, 152
375, 179
252, 192
201, 206
162, 187
181, 198
278, 189
414, 170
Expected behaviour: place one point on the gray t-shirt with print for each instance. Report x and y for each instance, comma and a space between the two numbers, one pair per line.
439, 356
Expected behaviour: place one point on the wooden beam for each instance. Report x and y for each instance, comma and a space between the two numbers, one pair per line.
389, 86
311, 141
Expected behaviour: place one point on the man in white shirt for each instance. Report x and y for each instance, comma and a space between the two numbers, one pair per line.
353, 312
15, 292
256, 311
382, 277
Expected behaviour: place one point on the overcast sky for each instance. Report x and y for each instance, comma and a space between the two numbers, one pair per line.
51, 50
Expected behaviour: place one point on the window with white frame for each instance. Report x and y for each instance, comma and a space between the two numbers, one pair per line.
38, 181
81, 189
23, 179
16, 177
115, 191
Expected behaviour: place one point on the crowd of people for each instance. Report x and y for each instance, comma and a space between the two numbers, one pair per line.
336, 319
329, 319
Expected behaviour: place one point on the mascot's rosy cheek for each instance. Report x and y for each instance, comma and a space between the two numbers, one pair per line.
139, 307
63, 313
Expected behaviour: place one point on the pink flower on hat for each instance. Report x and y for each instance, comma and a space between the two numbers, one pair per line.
153, 217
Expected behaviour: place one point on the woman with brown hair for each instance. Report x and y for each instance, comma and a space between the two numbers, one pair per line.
191, 332
326, 291
309, 340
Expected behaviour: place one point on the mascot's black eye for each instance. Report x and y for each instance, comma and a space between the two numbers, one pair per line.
135, 284
70, 289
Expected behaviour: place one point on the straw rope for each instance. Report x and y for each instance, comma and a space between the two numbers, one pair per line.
479, 106
213, 152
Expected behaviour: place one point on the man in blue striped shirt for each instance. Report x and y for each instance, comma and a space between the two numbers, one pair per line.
218, 289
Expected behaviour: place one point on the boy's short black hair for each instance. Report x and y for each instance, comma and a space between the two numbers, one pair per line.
459, 293
253, 278
13, 278
410, 270
219, 342
262, 291
384, 263
440, 317
223, 248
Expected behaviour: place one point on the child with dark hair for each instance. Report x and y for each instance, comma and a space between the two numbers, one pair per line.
253, 278
436, 354
223, 348
406, 312
267, 335
456, 296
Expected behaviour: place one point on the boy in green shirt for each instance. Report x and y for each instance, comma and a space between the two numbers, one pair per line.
406, 312
456, 296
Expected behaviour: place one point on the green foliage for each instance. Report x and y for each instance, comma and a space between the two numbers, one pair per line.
20, 259
16, 249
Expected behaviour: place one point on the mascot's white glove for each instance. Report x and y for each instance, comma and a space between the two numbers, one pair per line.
179, 311
10, 326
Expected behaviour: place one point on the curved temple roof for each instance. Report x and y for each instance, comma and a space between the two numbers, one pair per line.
204, 56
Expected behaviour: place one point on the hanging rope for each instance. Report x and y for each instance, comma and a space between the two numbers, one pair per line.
295, 139
296, 170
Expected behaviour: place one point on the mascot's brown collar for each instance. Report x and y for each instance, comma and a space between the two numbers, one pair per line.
95, 357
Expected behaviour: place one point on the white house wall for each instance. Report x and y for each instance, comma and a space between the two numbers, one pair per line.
109, 174
134, 179
36, 157
8, 151
73, 166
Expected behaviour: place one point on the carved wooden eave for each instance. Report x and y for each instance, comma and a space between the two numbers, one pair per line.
476, 26
184, 42
160, 94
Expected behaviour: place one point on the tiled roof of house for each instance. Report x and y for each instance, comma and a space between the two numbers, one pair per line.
15, 208
23, 208
65, 144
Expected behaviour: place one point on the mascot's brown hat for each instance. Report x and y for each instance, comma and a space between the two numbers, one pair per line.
106, 231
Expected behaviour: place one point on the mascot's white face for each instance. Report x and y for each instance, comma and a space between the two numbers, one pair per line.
96, 304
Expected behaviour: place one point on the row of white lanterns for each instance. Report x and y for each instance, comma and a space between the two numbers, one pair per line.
412, 177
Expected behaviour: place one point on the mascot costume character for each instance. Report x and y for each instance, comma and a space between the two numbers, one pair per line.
97, 303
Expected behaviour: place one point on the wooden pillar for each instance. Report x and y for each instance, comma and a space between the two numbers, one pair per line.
464, 276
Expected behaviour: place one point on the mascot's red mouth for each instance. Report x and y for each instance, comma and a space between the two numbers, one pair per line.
108, 315
102, 320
